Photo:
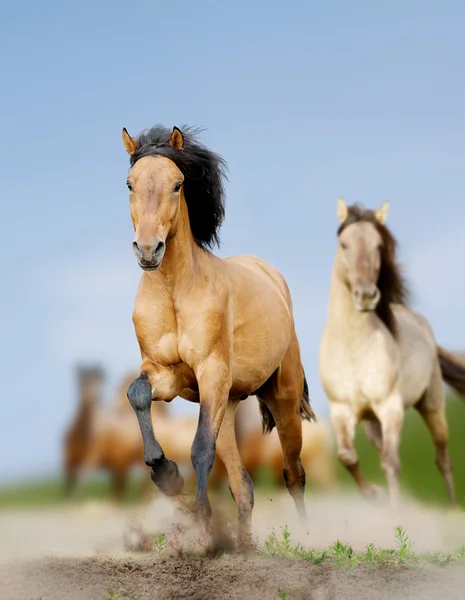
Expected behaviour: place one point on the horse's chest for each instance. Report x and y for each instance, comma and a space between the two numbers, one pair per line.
168, 348
360, 373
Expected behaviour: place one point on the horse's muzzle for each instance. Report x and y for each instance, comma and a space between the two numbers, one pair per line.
149, 256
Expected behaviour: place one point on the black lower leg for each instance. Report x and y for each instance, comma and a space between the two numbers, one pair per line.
164, 472
203, 456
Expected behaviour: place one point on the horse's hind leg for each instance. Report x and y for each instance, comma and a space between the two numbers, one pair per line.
280, 402
289, 426
432, 410
240, 484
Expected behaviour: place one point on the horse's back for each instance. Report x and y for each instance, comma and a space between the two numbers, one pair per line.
261, 270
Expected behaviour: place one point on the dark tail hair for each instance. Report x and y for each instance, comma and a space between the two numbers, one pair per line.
453, 370
306, 412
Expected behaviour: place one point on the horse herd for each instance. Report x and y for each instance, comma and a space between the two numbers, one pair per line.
216, 331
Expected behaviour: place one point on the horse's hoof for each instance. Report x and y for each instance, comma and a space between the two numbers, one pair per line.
374, 493
245, 543
168, 479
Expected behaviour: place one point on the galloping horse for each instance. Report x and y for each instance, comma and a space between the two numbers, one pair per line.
210, 330
377, 356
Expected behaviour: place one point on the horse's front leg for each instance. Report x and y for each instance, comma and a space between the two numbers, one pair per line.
164, 472
214, 385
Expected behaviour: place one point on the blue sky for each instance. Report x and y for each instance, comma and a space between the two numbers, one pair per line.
306, 101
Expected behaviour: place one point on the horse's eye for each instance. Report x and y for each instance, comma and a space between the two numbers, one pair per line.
343, 246
129, 186
177, 187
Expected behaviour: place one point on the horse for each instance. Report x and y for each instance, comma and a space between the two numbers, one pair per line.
258, 452
377, 356
78, 436
210, 330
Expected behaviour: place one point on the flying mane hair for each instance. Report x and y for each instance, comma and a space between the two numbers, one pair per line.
204, 175
391, 282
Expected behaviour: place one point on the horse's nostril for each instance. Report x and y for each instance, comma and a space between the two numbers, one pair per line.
159, 247
135, 247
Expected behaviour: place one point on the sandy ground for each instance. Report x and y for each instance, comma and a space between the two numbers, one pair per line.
77, 552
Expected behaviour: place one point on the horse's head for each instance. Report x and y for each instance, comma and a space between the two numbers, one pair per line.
362, 252
90, 383
155, 189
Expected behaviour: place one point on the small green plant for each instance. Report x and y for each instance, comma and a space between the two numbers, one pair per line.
283, 594
461, 553
112, 594
402, 541
282, 546
342, 553
440, 559
160, 543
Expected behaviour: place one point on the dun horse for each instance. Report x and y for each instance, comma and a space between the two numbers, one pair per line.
377, 356
210, 330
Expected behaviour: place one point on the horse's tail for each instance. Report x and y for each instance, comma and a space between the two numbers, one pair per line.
306, 412
453, 370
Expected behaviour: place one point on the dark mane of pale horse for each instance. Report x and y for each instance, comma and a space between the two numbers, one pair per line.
391, 282
204, 176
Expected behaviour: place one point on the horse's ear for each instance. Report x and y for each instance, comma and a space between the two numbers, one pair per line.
129, 142
342, 210
177, 139
382, 213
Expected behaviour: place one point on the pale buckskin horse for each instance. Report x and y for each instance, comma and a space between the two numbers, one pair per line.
210, 330
377, 356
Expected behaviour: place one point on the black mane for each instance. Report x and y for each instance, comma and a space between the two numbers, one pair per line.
391, 282
204, 175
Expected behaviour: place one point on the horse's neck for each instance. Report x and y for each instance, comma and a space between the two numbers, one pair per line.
343, 317
85, 418
182, 255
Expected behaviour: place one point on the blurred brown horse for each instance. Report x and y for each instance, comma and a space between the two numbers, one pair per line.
78, 436
210, 330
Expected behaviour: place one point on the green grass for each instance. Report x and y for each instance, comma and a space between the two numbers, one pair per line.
340, 554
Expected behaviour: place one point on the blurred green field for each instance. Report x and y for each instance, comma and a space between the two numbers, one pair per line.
419, 475
49, 492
